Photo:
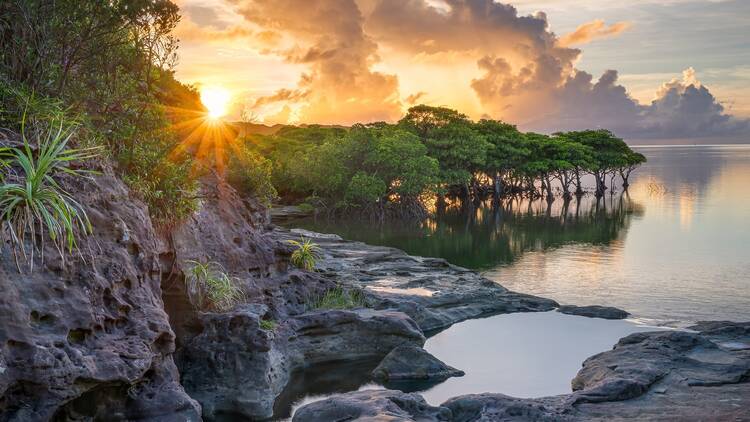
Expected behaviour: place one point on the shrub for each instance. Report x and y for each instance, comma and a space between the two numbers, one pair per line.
162, 179
250, 174
210, 288
339, 298
31, 199
306, 254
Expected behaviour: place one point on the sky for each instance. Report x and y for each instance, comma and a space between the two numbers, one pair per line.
674, 70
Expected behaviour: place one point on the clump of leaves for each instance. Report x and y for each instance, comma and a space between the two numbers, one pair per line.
339, 298
210, 288
306, 255
268, 324
32, 201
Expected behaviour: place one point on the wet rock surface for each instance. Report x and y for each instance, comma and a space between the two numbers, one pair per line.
431, 291
413, 363
594, 311
677, 375
87, 338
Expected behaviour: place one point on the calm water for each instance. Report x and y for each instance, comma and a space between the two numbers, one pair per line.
671, 251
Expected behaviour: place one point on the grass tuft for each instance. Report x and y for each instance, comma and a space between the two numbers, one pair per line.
210, 288
339, 298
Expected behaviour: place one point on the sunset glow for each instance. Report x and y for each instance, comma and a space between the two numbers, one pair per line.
216, 100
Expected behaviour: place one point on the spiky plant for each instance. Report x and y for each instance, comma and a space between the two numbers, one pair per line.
32, 202
210, 288
306, 254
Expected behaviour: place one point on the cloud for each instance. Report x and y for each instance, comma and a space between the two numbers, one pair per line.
201, 23
413, 98
488, 56
340, 85
682, 108
590, 31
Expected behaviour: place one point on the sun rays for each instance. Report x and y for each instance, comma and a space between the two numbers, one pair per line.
204, 136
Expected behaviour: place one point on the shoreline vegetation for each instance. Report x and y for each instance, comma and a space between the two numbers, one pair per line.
433, 154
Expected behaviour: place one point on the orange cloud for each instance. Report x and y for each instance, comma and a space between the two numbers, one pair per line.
590, 31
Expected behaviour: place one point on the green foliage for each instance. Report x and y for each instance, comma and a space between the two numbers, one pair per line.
451, 139
32, 201
364, 189
250, 174
210, 288
163, 180
339, 298
268, 324
111, 63
306, 254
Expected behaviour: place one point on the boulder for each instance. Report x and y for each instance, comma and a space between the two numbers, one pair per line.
372, 405
413, 363
594, 311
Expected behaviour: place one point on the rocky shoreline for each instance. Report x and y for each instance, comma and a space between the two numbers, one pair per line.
110, 334
673, 375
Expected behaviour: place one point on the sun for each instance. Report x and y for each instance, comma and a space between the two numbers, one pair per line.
216, 100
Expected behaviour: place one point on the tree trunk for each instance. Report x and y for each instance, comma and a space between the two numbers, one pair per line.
601, 184
579, 189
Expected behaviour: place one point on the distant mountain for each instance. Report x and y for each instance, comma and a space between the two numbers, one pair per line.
245, 129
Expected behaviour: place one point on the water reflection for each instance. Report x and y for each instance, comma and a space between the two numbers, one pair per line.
498, 234
673, 249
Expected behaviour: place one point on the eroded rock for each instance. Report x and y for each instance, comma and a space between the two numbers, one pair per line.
683, 375
88, 337
236, 369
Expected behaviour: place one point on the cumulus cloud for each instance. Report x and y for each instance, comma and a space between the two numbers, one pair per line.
682, 108
519, 70
340, 85
590, 31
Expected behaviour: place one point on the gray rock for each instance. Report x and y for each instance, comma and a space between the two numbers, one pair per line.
594, 311
372, 405
647, 376
280, 214
431, 291
413, 363
499, 407
88, 338
235, 369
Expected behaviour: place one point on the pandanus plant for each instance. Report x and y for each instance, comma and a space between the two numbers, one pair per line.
33, 205
306, 254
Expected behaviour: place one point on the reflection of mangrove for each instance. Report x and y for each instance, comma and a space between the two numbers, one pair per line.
489, 235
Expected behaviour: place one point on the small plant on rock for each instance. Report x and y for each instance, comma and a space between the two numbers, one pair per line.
268, 324
32, 201
306, 254
339, 298
210, 288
